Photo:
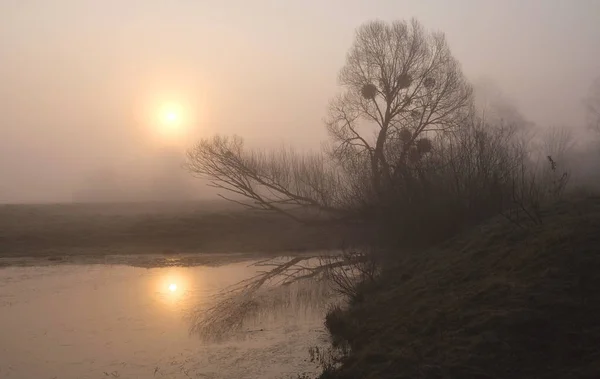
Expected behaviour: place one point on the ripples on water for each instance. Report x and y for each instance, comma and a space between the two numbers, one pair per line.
101, 321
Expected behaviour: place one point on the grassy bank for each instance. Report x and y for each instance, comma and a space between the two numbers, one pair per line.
498, 302
148, 228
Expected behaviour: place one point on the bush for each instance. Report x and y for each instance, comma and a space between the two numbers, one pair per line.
339, 326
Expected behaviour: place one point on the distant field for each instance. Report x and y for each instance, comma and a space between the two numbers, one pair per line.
149, 228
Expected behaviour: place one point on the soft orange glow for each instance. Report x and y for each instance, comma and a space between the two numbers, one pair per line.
171, 114
171, 107
172, 120
173, 286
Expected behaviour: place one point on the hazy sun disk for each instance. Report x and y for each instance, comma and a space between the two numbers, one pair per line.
170, 118
172, 287
171, 115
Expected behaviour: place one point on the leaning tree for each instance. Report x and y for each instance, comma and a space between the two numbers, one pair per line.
401, 86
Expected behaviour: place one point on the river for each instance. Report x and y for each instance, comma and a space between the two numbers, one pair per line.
78, 321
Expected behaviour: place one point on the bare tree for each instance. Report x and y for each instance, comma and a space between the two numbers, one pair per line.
592, 103
401, 84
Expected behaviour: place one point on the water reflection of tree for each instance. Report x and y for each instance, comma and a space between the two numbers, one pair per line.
281, 283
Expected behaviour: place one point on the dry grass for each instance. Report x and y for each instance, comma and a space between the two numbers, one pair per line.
498, 302
128, 228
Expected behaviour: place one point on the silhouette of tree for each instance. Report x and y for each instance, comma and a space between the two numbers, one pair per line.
401, 86
407, 154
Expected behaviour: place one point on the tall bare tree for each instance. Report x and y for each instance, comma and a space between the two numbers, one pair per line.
400, 83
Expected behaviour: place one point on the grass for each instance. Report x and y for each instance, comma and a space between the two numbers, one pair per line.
497, 302
151, 228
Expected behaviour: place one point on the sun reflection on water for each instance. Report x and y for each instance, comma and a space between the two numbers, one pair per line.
173, 286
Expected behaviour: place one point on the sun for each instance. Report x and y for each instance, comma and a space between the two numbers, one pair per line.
172, 123
171, 115
169, 121
172, 287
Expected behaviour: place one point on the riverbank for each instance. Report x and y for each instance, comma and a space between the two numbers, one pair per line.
95, 230
501, 301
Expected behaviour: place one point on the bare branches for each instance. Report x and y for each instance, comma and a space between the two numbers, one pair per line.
402, 90
278, 181
557, 142
401, 87
418, 87
353, 269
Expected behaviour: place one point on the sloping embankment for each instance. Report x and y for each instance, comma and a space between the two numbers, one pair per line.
498, 302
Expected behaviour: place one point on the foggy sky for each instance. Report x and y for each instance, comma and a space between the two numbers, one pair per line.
79, 79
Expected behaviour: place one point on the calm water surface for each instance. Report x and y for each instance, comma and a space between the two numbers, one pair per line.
107, 321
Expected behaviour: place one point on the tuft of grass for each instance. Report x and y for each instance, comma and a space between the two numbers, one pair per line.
496, 302
339, 325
